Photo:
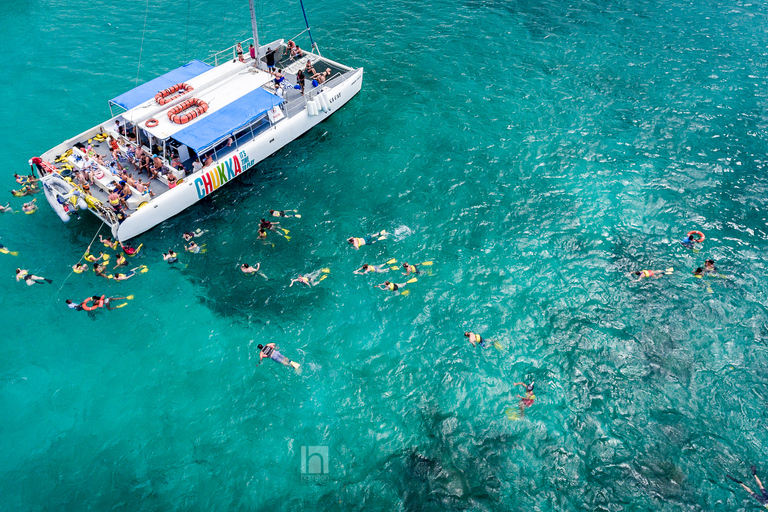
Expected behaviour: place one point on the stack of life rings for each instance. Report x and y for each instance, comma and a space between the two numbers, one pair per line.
175, 114
168, 95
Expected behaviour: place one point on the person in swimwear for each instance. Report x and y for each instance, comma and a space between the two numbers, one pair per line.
367, 240
309, 279
120, 260
270, 351
761, 498
527, 400
29, 207
108, 243
6, 208
193, 248
171, 257
247, 269
392, 287
688, 241
79, 268
646, 274
99, 271
124, 277
371, 268
5, 250
282, 213
265, 224
28, 278
476, 339
410, 269
108, 302
72, 305
262, 234
709, 266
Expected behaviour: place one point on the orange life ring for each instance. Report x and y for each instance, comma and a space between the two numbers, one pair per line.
168, 95
151, 123
701, 236
95, 306
192, 109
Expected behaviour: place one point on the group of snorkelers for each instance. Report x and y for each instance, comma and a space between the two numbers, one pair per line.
691, 243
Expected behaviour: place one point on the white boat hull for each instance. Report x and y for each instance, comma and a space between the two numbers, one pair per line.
206, 181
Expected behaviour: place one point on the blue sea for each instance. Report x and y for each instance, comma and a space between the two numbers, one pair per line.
536, 153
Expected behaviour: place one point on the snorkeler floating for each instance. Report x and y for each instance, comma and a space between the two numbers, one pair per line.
194, 248
189, 235
689, 241
245, 268
311, 279
476, 339
283, 214
761, 498
28, 278
395, 287
368, 239
171, 257
270, 351
646, 274
5, 250
378, 269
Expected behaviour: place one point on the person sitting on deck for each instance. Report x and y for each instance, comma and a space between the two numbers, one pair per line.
309, 69
145, 164
208, 160
157, 166
196, 165
171, 179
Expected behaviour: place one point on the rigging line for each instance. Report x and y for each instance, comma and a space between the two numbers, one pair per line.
141, 48
83, 256
186, 43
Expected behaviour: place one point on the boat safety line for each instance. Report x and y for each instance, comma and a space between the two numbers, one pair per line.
83, 256
141, 48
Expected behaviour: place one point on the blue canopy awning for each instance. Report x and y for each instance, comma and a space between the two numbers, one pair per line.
142, 93
222, 123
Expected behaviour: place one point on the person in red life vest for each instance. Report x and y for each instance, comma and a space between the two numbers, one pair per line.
527, 400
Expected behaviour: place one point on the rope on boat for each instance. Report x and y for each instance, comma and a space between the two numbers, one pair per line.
83, 256
141, 48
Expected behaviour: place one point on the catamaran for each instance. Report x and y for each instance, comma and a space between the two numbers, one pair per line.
193, 130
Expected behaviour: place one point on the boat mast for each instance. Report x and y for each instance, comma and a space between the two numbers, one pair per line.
255, 34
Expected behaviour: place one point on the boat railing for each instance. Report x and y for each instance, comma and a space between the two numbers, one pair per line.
298, 104
228, 53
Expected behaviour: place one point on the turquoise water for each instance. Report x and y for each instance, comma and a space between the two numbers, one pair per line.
536, 153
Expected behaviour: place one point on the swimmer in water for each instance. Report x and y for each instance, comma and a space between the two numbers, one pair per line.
688, 241
476, 339
5, 250
171, 257
90, 258
282, 213
6, 209
265, 224
193, 248
30, 207
270, 351
371, 268
247, 269
410, 269
99, 271
79, 268
189, 235
108, 302
108, 243
647, 274
28, 278
311, 279
392, 287
527, 400
262, 234
709, 266
367, 240
761, 498
120, 260
72, 305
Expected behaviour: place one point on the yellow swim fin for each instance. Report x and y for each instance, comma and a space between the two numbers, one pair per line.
144, 269
427, 263
405, 292
295, 364
412, 280
394, 267
130, 297
120, 305
14, 253
297, 216
392, 261
669, 271
326, 270
286, 237
285, 231
322, 277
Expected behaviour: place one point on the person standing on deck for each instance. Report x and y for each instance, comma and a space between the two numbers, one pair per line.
252, 52
270, 57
